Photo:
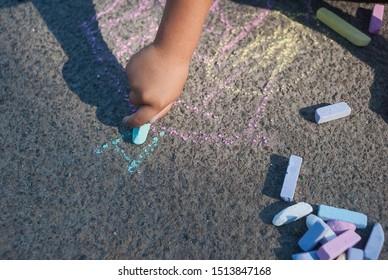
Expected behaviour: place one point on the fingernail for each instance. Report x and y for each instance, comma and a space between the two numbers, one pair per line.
154, 119
125, 119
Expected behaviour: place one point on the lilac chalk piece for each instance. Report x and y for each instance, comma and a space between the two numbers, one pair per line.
292, 213
305, 256
292, 174
312, 236
328, 213
339, 227
329, 235
332, 112
139, 134
375, 243
354, 254
338, 245
376, 20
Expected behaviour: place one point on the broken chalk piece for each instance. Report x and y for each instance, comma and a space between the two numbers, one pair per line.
332, 112
376, 19
343, 28
338, 245
291, 178
354, 254
139, 134
341, 257
305, 256
312, 236
375, 243
292, 213
328, 213
340, 226
329, 235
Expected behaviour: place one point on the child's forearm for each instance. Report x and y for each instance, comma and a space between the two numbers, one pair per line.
181, 27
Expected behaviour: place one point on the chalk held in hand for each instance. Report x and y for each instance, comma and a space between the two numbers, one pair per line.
338, 245
292, 213
327, 213
343, 28
376, 20
332, 112
375, 243
291, 178
139, 134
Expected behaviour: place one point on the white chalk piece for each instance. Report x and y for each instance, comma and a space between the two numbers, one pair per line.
291, 178
328, 213
305, 256
139, 134
354, 254
312, 236
341, 257
375, 243
329, 235
332, 112
292, 213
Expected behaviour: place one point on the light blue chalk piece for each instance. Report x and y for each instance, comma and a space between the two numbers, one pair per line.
291, 178
115, 141
312, 236
162, 134
139, 135
354, 254
305, 256
332, 112
98, 152
327, 213
105, 146
329, 235
375, 243
292, 213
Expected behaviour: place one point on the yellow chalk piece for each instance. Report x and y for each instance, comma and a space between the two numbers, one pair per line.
343, 28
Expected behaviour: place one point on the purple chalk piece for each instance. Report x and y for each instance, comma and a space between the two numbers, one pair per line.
340, 226
376, 19
354, 254
338, 245
375, 243
313, 235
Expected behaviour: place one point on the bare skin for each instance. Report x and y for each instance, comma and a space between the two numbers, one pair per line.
158, 72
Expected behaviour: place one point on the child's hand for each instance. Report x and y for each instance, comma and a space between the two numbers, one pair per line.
157, 79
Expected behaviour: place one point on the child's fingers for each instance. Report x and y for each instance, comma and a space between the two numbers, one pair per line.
140, 117
162, 113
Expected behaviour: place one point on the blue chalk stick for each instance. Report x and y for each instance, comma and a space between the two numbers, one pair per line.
329, 235
291, 178
354, 254
312, 236
375, 243
332, 112
305, 256
327, 213
139, 134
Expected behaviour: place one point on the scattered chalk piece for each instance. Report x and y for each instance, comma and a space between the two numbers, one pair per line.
327, 213
339, 227
343, 28
375, 243
312, 236
338, 245
354, 254
139, 134
332, 112
376, 20
329, 235
305, 256
292, 213
291, 178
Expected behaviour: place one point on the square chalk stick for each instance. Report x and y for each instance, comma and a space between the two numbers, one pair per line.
312, 236
338, 245
332, 112
354, 254
375, 243
339, 227
328, 213
305, 256
139, 134
329, 235
291, 178
376, 20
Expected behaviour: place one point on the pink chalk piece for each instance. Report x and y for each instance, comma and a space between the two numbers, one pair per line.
376, 19
340, 226
338, 245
